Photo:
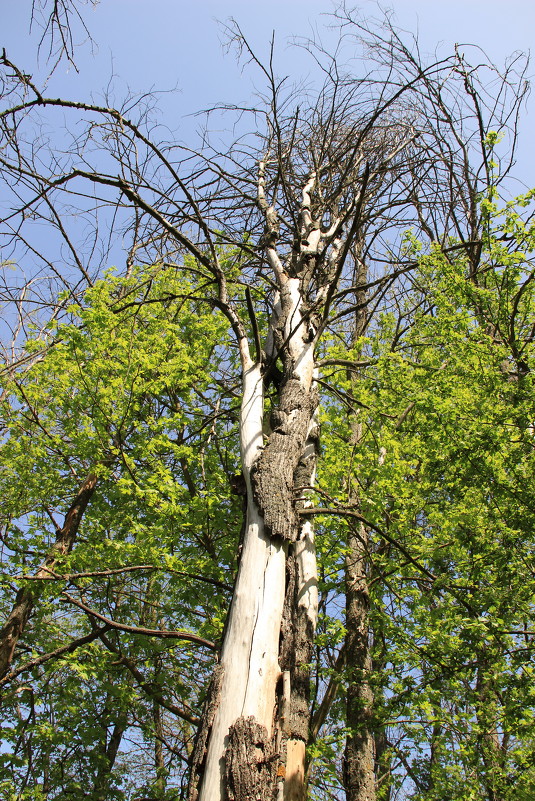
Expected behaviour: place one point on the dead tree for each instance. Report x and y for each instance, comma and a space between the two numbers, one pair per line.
329, 176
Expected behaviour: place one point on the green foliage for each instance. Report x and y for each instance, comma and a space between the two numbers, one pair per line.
126, 391
445, 466
138, 389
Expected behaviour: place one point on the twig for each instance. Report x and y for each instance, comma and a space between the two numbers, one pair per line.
64, 649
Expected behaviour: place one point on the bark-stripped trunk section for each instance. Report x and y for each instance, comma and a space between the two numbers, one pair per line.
26, 596
249, 668
251, 683
244, 743
253, 747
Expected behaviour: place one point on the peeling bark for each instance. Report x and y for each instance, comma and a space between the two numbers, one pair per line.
250, 762
274, 566
199, 750
249, 657
255, 745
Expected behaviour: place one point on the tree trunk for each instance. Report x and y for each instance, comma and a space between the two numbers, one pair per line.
359, 755
359, 762
111, 749
255, 727
256, 719
367, 769
26, 596
489, 746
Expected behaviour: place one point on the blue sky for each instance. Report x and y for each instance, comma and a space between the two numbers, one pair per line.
166, 44
163, 43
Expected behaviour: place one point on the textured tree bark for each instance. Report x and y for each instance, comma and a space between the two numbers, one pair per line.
24, 602
276, 580
252, 744
298, 630
359, 757
250, 761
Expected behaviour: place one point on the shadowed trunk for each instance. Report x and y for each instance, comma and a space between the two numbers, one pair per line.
359, 755
102, 782
27, 595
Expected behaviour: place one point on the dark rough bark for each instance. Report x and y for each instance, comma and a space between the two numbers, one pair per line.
250, 762
359, 757
300, 699
286, 647
273, 474
297, 632
199, 750
297, 637
14, 626
24, 602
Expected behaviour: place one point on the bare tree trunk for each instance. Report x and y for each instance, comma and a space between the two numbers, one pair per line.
26, 596
255, 728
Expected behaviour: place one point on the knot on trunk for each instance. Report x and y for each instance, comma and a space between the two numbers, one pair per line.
250, 762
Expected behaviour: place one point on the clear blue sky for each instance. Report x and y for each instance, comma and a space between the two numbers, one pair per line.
164, 43
161, 44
